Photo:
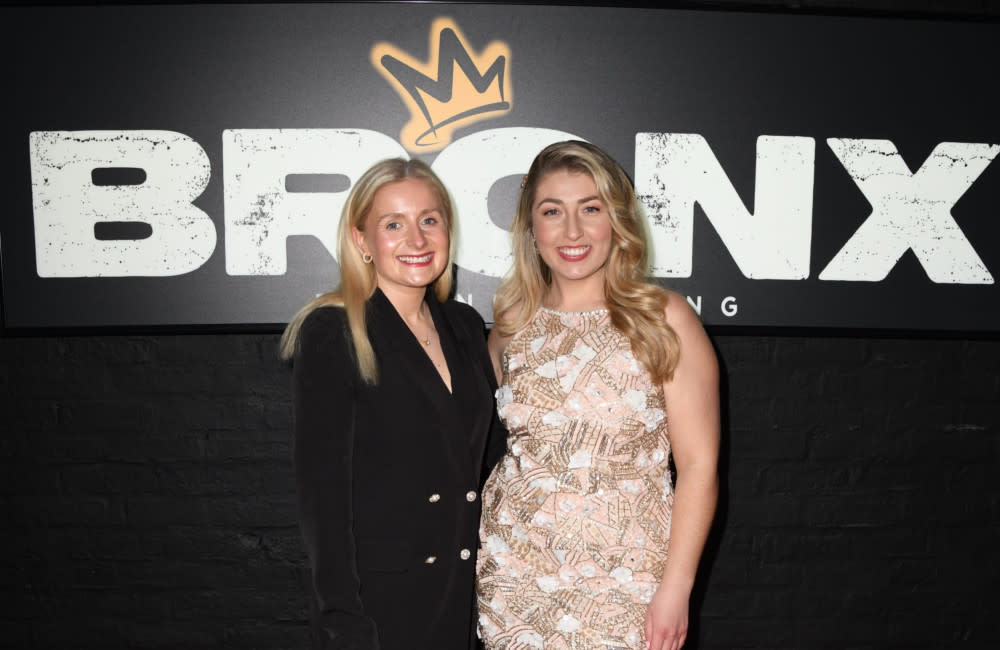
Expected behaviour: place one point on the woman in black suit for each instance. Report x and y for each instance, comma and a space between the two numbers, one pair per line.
394, 425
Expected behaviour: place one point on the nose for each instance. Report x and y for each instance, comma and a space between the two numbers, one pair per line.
573, 230
417, 237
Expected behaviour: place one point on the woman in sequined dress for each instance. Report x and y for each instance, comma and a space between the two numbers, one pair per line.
586, 541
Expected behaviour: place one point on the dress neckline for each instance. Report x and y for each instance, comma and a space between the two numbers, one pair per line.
559, 312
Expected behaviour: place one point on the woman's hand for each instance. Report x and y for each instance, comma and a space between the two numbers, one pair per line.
666, 620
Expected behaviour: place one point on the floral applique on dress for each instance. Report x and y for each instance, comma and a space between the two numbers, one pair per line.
576, 516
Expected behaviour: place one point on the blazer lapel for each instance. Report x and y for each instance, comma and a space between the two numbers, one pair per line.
401, 353
476, 390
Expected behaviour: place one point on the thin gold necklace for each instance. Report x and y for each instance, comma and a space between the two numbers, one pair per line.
425, 340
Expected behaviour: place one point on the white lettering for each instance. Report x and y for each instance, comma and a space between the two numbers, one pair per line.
910, 211
469, 167
695, 304
68, 205
260, 214
729, 306
675, 170
672, 172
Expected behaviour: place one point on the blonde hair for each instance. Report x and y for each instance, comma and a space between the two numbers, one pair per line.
637, 307
357, 279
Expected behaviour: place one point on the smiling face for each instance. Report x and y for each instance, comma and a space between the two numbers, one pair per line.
406, 234
572, 228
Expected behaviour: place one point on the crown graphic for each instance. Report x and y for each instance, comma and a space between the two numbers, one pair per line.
465, 87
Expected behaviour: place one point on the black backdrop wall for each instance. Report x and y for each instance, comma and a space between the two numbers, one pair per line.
147, 488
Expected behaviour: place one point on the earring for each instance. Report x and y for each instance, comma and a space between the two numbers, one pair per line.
366, 258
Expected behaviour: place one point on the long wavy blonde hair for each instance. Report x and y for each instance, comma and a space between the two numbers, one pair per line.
636, 306
357, 279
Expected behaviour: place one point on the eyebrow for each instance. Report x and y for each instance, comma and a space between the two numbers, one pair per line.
422, 213
585, 199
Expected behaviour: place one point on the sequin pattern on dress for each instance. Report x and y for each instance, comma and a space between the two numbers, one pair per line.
576, 516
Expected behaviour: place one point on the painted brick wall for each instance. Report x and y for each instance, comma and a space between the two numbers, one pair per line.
148, 495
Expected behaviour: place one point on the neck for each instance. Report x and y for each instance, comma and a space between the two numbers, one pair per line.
576, 295
408, 302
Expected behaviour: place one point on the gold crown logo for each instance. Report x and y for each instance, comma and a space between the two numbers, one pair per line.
467, 88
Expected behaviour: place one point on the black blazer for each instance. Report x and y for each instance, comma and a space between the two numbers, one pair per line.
388, 477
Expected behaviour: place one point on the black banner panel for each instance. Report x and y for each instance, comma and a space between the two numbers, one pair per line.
182, 165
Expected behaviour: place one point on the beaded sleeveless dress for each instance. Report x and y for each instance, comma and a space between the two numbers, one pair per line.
576, 516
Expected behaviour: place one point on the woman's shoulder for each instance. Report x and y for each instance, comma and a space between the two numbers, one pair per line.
464, 313
323, 325
516, 313
324, 315
687, 326
500, 337
679, 312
